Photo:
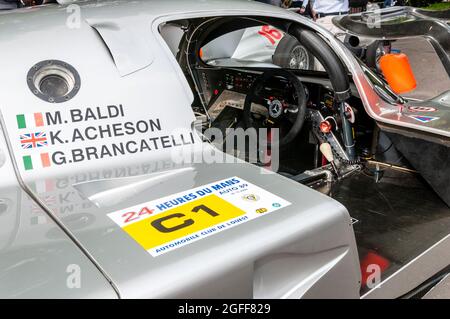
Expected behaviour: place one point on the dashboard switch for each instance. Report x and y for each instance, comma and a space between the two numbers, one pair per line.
325, 127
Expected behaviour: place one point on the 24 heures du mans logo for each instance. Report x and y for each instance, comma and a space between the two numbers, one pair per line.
40, 131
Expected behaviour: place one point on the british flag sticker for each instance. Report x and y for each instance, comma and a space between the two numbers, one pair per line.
33, 140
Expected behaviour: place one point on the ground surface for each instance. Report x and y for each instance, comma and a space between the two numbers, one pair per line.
398, 218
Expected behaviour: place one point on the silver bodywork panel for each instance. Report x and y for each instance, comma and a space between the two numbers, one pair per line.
37, 259
313, 238
89, 180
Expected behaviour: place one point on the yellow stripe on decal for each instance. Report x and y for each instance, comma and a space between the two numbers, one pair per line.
182, 221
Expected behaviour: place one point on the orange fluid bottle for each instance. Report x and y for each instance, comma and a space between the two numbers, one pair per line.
398, 72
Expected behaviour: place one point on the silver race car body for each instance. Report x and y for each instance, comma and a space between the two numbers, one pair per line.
95, 201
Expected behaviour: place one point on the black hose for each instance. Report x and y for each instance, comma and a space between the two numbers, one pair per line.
338, 77
330, 61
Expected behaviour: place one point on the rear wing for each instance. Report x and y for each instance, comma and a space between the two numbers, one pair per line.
402, 22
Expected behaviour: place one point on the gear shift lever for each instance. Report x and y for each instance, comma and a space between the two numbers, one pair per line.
326, 150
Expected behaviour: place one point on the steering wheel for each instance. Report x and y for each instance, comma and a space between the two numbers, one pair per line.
286, 107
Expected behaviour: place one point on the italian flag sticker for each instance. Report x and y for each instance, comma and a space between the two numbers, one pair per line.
30, 120
32, 162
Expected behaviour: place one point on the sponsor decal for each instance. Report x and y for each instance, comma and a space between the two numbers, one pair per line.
415, 109
271, 34
166, 224
251, 197
424, 119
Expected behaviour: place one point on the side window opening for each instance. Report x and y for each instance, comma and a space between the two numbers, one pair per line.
258, 46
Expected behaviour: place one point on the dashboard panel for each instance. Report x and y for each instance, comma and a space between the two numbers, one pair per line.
221, 84
214, 81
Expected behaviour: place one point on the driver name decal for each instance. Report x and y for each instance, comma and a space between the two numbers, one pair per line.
52, 139
166, 224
